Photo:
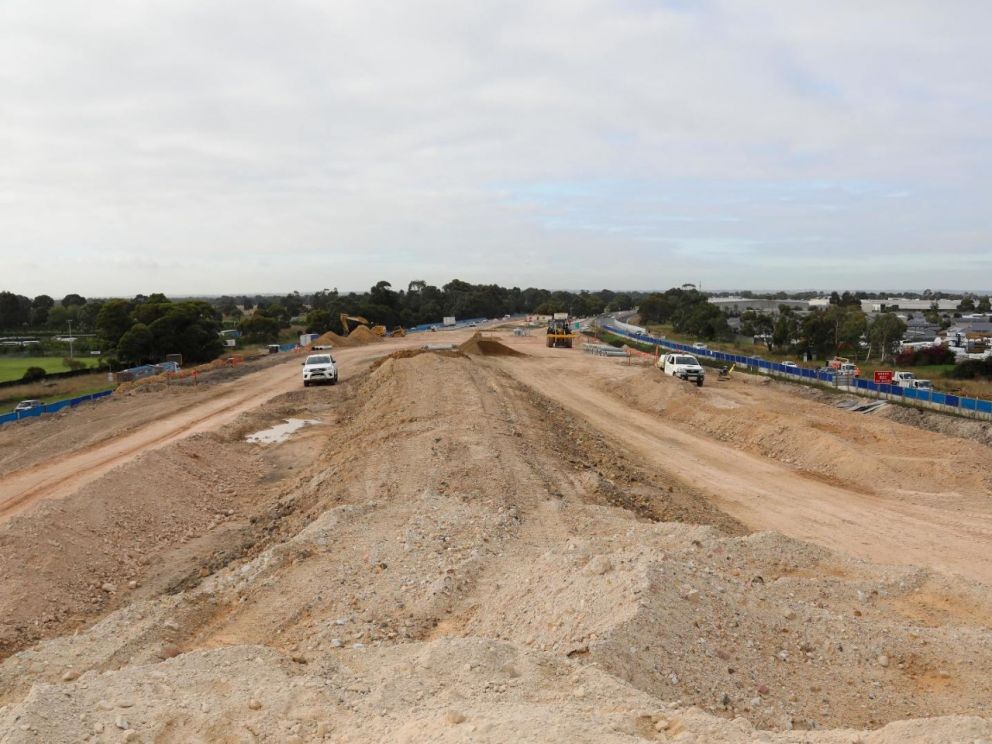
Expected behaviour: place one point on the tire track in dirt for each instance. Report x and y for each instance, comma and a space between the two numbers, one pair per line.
20, 489
767, 495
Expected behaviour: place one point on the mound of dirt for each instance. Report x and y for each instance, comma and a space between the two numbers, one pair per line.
333, 339
362, 335
410, 353
480, 346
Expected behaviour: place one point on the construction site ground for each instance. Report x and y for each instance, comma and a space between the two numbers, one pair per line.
495, 543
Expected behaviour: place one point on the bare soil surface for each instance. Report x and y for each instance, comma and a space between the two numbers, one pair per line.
776, 460
494, 548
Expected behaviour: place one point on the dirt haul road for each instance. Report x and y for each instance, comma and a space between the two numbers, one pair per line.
450, 555
863, 485
64, 472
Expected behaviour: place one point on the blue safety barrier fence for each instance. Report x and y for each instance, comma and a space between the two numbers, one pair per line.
441, 327
53, 407
932, 397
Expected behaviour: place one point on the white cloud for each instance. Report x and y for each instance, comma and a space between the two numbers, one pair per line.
231, 146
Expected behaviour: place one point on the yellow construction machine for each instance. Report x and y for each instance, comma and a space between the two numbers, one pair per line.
350, 322
559, 334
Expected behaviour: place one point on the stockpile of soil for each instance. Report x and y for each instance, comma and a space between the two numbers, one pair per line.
410, 353
332, 339
481, 346
362, 335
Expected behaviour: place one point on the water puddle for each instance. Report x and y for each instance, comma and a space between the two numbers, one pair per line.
279, 432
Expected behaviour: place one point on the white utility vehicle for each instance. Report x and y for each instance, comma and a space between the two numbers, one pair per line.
320, 368
682, 365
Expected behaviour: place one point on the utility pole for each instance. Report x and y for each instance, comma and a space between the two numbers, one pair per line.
70, 339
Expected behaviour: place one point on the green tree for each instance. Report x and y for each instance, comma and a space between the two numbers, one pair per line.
884, 333
786, 328
967, 304
620, 301
984, 304
73, 299
15, 310
319, 321
33, 374
86, 315
114, 320
137, 345
40, 306
188, 328
260, 329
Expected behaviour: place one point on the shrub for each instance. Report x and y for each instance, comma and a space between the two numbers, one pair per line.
927, 355
72, 364
33, 374
969, 369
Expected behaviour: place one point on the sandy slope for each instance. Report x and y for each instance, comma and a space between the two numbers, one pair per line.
468, 548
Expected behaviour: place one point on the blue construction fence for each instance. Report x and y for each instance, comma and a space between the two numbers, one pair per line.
908, 394
53, 407
441, 327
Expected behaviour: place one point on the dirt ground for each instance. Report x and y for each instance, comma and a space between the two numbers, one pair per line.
488, 547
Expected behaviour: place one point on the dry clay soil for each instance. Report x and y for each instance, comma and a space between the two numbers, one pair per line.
472, 546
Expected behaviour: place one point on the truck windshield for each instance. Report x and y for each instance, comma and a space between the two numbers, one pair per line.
319, 360
686, 360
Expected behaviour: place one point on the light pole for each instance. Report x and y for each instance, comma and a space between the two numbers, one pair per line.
70, 339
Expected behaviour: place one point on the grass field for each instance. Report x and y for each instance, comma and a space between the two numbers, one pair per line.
14, 367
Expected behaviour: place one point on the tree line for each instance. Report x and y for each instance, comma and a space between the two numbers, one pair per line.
416, 304
838, 329
146, 328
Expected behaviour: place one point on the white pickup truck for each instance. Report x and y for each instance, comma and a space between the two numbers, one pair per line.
320, 368
682, 365
909, 380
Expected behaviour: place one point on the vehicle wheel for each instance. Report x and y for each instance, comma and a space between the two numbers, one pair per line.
334, 381
699, 382
306, 383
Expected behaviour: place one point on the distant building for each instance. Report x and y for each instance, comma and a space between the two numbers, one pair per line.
891, 304
737, 305
919, 328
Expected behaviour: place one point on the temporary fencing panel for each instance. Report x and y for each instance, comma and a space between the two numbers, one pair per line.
53, 407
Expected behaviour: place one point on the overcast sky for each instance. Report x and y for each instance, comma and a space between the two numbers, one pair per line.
193, 146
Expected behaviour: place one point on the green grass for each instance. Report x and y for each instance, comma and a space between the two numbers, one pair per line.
14, 367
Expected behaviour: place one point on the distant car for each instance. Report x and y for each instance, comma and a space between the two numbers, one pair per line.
791, 365
320, 368
699, 345
28, 405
